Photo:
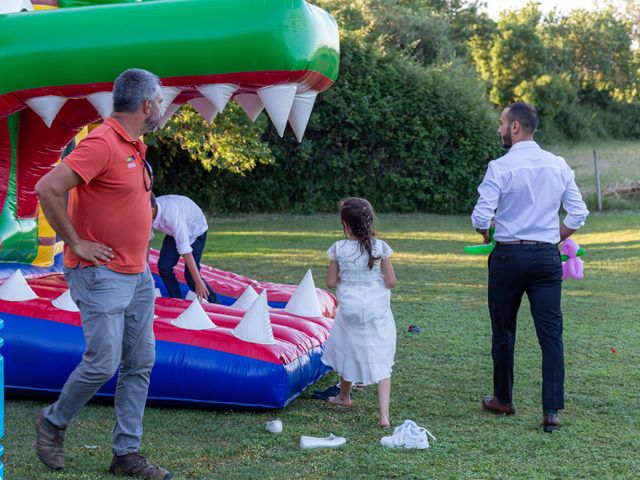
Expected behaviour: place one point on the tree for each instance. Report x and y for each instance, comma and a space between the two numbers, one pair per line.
593, 47
517, 54
407, 28
581, 70
232, 142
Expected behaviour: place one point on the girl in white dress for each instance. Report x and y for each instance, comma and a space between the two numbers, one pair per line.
362, 343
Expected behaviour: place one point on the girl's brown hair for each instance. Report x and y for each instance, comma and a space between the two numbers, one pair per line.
358, 215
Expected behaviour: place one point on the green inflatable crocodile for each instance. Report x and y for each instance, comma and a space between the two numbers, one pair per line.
57, 67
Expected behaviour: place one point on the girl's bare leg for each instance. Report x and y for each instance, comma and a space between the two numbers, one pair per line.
384, 396
344, 397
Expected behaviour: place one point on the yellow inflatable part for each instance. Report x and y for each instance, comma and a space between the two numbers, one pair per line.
45, 256
46, 242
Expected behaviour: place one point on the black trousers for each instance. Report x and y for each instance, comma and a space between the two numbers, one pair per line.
537, 271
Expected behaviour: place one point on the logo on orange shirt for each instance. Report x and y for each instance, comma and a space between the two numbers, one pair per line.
131, 162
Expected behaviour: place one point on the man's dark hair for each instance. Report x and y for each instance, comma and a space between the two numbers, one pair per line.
132, 88
525, 114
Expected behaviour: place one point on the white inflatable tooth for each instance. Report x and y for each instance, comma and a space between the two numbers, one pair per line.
194, 318
301, 111
16, 289
304, 301
169, 112
65, 302
255, 326
218, 94
278, 100
245, 300
204, 108
13, 6
251, 104
169, 94
103, 103
47, 107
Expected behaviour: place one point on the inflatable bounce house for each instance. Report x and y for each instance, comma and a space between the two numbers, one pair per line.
58, 58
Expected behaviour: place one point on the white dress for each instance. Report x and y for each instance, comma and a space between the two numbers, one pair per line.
362, 343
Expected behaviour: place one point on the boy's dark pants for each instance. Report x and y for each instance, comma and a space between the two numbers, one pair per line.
168, 259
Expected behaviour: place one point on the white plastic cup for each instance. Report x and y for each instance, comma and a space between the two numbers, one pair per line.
274, 426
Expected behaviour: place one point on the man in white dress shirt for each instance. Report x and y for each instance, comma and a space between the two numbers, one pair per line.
186, 228
522, 193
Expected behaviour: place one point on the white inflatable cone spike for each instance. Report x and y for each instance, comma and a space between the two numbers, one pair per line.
65, 302
304, 301
47, 107
169, 112
103, 103
204, 108
277, 100
194, 318
251, 104
16, 289
12, 6
218, 94
169, 94
245, 300
301, 111
255, 326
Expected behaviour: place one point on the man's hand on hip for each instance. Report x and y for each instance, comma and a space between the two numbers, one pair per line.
93, 252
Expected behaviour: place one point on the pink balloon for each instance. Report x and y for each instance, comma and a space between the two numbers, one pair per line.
573, 266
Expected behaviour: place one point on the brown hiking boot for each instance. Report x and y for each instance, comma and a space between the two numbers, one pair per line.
49, 442
135, 465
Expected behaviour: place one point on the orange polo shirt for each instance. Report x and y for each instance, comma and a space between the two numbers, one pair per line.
112, 206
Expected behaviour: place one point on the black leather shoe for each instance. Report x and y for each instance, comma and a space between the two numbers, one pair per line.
491, 404
324, 394
551, 422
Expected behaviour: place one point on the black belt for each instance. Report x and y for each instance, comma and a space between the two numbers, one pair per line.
522, 242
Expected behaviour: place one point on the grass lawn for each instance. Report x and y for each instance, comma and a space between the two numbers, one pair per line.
439, 378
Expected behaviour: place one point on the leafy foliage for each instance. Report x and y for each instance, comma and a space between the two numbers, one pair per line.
580, 70
405, 136
231, 142
410, 121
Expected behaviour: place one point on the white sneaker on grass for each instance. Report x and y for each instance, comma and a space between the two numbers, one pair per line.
322, 442
408, 435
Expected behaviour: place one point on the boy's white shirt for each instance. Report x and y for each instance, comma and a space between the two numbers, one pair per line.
181, 218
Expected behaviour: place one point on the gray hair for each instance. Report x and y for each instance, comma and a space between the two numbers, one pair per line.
132, 88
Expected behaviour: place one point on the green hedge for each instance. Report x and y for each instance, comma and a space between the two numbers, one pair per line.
407, 137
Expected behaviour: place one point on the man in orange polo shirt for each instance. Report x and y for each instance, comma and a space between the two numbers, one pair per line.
105, 228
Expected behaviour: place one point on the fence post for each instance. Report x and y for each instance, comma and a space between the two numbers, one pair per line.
598, 191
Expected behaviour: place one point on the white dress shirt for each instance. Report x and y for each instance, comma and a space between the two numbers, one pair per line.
181, 218
523, 191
